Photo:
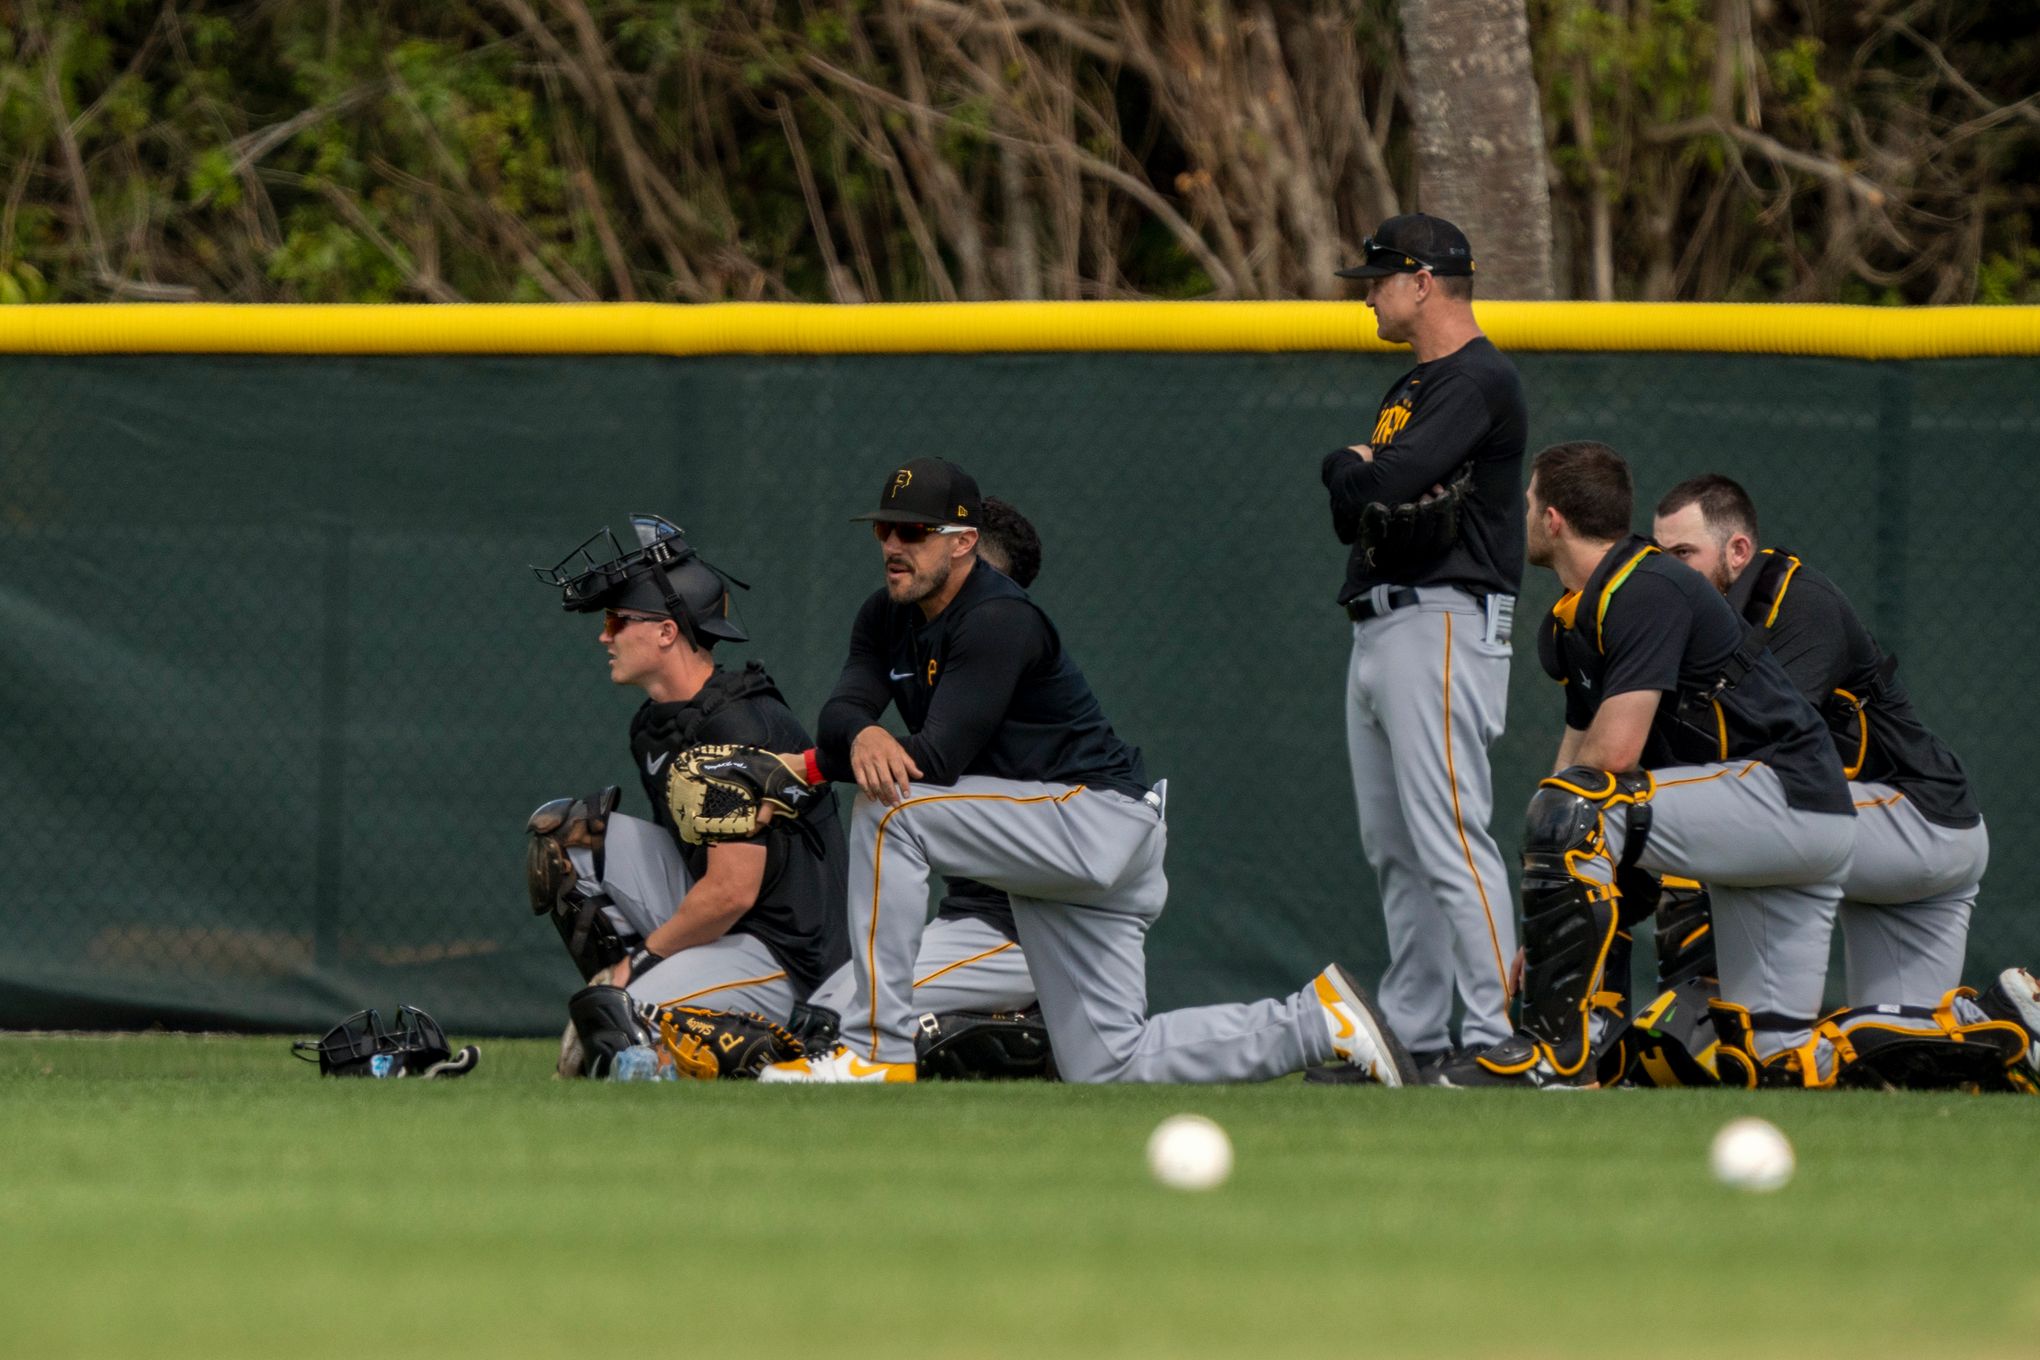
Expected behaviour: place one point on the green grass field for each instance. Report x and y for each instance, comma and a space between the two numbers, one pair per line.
167, 1196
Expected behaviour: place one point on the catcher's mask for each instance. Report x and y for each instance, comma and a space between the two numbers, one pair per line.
663, 575
361, 1046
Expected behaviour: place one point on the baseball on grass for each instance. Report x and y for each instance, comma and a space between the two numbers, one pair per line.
1189, 1152
1750, 1154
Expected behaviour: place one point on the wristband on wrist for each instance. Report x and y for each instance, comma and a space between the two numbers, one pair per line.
814, 768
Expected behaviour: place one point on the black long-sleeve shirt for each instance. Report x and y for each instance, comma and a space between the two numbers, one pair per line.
1465, 407
1823, 645
984, 688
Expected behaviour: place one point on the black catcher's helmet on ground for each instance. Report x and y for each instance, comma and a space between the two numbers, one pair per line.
663, 575
361, 1046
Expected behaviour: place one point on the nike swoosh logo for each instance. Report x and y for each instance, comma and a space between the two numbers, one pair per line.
1330, 1000
902, 675
861, 1068
652, 766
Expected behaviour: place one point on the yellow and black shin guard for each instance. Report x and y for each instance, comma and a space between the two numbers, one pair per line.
1735, 1055
1573, 942
1920, 1048
1672, 1041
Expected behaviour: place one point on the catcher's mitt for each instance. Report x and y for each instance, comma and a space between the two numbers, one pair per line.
1414, 534
715, 792
705, 1045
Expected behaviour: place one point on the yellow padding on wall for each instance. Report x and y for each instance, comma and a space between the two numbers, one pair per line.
991, 327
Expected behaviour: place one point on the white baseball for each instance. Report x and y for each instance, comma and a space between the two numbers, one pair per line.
1750, 1154
1189, 1152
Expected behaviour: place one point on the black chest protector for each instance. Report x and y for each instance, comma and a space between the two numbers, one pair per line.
1844, 711
659, 731
1570, 646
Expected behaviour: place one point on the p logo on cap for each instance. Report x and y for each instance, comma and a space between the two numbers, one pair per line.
926, 491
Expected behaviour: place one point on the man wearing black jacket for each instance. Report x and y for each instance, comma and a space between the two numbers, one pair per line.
1010, 774
1431, 506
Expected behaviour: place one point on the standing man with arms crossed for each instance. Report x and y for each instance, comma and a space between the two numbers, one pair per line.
1011, 775
1432, 506
1921, 846
1686, 751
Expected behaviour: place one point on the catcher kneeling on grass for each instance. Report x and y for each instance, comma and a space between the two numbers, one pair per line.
1009, 774
1687, 752
715, 945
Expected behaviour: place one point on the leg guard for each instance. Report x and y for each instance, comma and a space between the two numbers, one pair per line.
559, 826
1685, 934
1912, 1048
609, 1022
1571, 926
1672, 1040
815, 1027
1735, 1056
984, 1046
595, 932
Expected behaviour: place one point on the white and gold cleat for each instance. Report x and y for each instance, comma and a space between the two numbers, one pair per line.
838, 1066
1360, 1034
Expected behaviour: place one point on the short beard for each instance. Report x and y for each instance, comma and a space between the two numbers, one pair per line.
1720, 577
921, 585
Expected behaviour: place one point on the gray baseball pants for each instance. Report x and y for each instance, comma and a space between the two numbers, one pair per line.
643, 873
1906, 902
1773, 874
1427, 692
964, 964
1083, 868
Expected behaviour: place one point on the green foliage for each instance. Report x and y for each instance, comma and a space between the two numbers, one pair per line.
250, 150
2010, 278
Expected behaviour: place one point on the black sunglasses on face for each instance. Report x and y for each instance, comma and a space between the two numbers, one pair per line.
613, 622
911, 534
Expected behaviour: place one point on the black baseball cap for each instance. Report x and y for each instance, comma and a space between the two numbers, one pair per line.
1413, 241
928, 491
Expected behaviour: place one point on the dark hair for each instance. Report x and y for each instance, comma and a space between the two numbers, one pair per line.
1723, 503
1589, 484
1458, 286
1008, 542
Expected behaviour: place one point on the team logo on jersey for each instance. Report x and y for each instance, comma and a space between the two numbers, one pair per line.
900, 481
931, 670
1389, 423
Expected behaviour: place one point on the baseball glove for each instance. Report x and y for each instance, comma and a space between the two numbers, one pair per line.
715, 792
705, 1045
1414, 534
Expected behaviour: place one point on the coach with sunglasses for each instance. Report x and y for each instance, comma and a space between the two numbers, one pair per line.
1431, 505
1011, 774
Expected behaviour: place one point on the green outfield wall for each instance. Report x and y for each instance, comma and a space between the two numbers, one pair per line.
277, 692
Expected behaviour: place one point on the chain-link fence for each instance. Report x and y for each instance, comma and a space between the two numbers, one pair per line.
277, 692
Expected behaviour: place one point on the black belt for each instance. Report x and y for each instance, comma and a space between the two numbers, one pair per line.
1362, 607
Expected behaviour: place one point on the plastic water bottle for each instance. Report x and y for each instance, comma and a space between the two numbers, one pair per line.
640, 1062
